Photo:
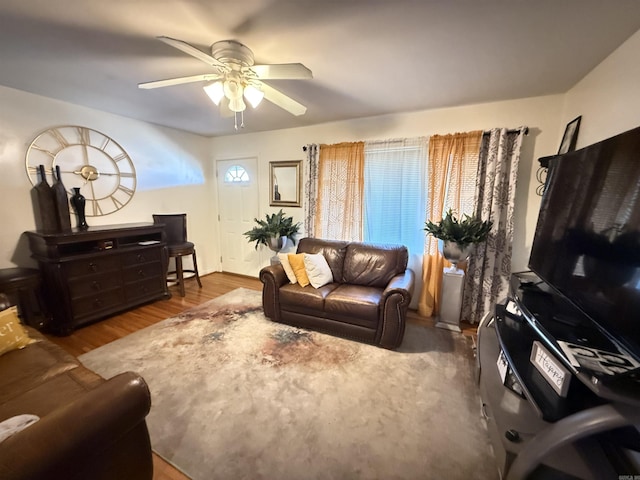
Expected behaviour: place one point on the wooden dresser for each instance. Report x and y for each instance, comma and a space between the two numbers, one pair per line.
91, 274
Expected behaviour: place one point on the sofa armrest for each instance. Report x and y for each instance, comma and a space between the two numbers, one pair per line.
79, 438
396, 298
274, 273
401, 284
273, 277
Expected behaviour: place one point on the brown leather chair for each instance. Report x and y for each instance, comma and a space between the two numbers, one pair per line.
178, 246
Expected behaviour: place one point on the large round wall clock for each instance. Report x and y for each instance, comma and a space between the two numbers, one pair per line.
89, 160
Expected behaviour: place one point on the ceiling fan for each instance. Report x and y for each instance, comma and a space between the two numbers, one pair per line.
237, 78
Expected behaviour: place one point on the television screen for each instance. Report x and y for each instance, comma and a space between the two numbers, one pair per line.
587, 241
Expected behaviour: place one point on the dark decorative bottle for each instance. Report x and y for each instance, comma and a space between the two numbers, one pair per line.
61, 201
44, 209
78, 203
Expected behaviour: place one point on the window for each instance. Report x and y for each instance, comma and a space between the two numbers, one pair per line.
373, 192
236, 174
395, 193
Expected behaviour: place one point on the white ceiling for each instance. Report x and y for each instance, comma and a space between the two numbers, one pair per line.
368, 57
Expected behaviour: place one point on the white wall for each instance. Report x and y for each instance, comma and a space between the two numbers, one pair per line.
608, 98
540, 114
172, 168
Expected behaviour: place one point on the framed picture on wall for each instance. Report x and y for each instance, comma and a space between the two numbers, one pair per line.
284, 183
570, 136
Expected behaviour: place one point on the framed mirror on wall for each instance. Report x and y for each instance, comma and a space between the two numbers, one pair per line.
284, 183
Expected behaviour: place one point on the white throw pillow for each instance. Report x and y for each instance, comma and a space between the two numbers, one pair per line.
284, 260
318, 269
16, 424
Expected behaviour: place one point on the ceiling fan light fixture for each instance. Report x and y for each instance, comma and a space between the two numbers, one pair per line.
215, 91
254, 95
237, 105
232, 89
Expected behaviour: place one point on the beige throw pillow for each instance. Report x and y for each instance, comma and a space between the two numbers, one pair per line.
284, 261
318, 269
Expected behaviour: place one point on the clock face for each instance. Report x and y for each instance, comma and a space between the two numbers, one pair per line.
89, 160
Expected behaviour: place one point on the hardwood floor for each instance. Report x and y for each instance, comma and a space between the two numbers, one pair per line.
214, 285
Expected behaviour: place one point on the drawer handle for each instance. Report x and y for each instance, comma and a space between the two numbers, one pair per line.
141, 273
95, 285
97, 303
141, 257
93, 267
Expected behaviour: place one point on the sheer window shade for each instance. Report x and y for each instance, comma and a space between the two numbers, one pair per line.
395, 192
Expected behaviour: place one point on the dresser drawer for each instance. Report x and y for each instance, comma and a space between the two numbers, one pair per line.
145, 288
146, 255
94, 304
142, 272
90, 266
94, 284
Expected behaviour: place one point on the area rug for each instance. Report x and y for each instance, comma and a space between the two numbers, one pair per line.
236, 396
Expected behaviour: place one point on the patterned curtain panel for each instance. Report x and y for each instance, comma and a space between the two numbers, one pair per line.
340, 192
309, 199
489, 268
452, 166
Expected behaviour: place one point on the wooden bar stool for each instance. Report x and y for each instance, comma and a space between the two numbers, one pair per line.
22, 286
178, 246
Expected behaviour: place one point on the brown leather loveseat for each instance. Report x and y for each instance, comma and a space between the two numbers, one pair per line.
367, 300
89, 427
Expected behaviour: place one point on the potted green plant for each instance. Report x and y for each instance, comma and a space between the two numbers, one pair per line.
458, 235
273, 231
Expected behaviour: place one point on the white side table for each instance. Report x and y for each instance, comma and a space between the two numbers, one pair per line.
451, 299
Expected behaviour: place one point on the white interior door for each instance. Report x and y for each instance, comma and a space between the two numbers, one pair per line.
237, 207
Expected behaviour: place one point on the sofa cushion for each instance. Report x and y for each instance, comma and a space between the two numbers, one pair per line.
373, 265
333, 252
318, 269
46, 396
295, 298
23, 369
355, 304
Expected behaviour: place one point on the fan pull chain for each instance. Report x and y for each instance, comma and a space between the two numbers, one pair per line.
235, 120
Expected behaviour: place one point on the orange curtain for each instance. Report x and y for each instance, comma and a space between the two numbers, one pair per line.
340, 192
451, 183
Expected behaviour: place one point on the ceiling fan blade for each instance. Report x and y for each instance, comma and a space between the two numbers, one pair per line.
206, 77
283, 101
193, 51
291, 71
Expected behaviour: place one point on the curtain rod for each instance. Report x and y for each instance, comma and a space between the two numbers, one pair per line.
511, 130
486, 132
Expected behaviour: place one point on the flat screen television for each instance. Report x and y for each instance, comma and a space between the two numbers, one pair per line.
587, 240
